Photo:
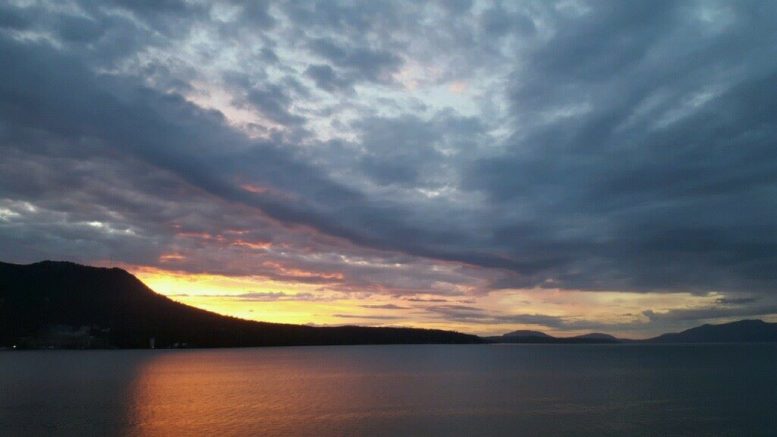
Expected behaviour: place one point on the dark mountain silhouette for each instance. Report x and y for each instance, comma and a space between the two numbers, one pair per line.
597, 336
527, 333
743, 331
525, 336
63, 304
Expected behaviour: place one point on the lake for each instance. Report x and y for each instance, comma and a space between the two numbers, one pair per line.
394, 390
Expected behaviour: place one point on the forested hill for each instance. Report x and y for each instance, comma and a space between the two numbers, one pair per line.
61, 304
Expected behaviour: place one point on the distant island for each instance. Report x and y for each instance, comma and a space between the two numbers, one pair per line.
743, 331
541, 337
65, 305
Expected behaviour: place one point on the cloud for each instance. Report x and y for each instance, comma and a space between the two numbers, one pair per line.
736, 300
326, 78
274, 103
475, 315
597, 145
364, 62
274, 296
388, 306
701, 314
431, 300
258, 296
367, 316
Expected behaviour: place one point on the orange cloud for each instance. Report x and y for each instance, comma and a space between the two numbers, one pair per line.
256, 245
299, 273
171, 257
254, 188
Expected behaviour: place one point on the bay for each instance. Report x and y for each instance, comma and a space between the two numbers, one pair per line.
711, 389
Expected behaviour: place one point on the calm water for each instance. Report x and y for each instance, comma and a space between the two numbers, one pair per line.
394, 390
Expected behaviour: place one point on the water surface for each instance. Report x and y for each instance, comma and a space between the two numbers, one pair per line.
394, 390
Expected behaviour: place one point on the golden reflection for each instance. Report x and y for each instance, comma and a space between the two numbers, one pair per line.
244, 392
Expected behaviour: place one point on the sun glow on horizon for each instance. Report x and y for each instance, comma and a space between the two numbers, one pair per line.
247, 297
563, 312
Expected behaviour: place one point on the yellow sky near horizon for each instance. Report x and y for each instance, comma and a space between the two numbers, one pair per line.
263, 299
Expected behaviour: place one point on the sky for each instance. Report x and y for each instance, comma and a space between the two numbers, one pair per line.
564, 166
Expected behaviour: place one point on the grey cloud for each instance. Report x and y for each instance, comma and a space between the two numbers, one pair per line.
367, 63
269, 296
327, 78
258, 297
429, 300
399, 149
464, 313
79, 29
456, 6
498, 22
274, 103
415, 152
470, 314
634, 151
343, 17
736, 300
13, 17
614, 197
385, 307
460, 313
257, 13
696, 315
367, 316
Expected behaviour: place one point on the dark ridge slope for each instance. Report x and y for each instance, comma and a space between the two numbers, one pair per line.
116, 309
743, 331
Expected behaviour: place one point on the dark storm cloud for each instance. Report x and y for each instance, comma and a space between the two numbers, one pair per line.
623, 146
654, 166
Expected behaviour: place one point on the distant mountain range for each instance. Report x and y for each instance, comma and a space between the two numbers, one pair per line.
743, 331
541, 337
66, 305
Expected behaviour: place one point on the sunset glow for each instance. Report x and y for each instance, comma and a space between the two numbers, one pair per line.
560, 312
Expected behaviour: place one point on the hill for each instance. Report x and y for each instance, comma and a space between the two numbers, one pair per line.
597, 336
743, 331
527, 333
525, 336
63, 304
